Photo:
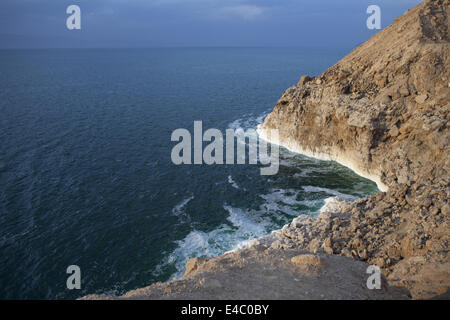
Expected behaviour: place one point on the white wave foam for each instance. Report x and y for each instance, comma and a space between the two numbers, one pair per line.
285, 200
246, 226
178, 210
330, 192
342, 159
198, 244
249, 121
236, 124
310, 172
331, 204
218, 241
287, 196
232, 182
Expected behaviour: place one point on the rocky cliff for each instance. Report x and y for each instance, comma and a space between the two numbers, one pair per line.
383, 111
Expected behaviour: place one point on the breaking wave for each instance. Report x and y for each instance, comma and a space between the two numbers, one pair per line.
243, 226
277, 206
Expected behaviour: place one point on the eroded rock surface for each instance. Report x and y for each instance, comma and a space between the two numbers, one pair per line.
260, 272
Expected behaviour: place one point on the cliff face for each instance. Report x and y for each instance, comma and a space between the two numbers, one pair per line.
382, 110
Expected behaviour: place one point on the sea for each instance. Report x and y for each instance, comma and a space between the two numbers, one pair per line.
86, 176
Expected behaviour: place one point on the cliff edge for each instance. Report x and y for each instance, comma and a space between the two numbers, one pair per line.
382, 110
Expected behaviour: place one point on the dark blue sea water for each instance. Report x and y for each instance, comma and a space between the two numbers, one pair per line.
86, 176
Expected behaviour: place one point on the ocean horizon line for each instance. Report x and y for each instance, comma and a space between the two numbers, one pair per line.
175, 47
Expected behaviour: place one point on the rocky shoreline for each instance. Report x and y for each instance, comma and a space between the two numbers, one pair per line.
383, 111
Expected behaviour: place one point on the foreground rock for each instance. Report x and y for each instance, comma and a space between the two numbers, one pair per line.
404, 231
383, 111
261, 272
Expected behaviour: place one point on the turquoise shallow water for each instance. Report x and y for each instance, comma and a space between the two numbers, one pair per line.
85, 170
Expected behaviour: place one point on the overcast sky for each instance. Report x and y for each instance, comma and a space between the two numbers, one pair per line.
192, 23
